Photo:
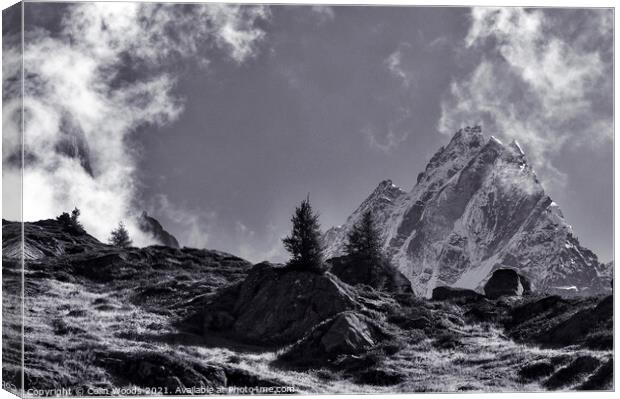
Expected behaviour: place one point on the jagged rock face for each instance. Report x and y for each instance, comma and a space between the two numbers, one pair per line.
478, 206
150, 225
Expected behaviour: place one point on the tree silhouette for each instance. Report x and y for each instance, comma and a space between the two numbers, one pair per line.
364, 244
304, 243
71, 222
120, 237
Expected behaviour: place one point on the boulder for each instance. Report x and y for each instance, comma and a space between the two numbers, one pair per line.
278, 305
506, 282
381, 276
446, 293
347, 333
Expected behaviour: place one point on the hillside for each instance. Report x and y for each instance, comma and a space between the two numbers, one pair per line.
105, 318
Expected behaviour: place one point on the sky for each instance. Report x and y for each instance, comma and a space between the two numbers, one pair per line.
219, 119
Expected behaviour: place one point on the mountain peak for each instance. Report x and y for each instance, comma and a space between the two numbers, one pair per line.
477, 207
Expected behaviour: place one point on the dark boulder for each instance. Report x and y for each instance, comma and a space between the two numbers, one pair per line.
446, 293
277, 305
381, 276
347, 333
506, 282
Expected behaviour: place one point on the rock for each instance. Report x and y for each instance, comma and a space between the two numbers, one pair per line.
446, 293
602, 379
578, 368
536, 371
161, 370
347, 333
577, 328
384, 277
277, 305
151, 226
506, 282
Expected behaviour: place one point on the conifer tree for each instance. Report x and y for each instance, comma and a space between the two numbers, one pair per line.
120, 237
364, 243
304, 242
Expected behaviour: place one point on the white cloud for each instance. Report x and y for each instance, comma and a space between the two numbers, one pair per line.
537, 81
80, 110
394, 63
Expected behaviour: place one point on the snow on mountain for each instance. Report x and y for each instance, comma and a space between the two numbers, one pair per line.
477, 206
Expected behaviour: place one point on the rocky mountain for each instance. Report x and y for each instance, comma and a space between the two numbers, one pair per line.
150, 225
478, 206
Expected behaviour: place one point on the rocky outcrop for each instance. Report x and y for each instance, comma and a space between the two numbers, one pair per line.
447, 293
347, 333
151, 226
585, 327
381, 276
506, 282
45, 238
555, 321
277, 305
477, 206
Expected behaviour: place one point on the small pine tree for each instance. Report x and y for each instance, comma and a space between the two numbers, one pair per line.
364, 244
304, 243
120, 237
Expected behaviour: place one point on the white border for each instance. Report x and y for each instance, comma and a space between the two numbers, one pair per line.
511, 3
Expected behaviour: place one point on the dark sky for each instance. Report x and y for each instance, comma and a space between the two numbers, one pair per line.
255, 139
330, 101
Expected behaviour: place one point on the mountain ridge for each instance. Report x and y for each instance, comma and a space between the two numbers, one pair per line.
476, 207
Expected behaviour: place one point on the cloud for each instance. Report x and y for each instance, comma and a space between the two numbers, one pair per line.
323, 13
388, 142
112, 72
197, 224
538, 80
394, 63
